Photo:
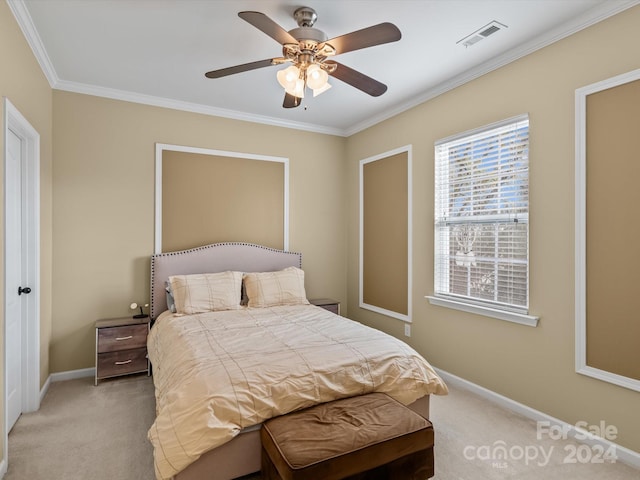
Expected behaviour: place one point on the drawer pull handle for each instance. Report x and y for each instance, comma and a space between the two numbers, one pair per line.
123, 363
123, 338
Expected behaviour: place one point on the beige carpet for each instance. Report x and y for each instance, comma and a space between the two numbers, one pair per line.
84, 432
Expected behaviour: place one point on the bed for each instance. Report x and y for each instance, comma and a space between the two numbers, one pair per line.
219, 374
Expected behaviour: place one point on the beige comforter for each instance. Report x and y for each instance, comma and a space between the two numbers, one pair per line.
216, 373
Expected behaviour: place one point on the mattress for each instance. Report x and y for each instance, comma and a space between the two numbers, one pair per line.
217, 373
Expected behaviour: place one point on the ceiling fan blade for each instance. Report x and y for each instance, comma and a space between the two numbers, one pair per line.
291, 101
367, 37
245, 67
268, 26
358, 80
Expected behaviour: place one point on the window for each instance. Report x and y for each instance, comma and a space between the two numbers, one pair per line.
482, 217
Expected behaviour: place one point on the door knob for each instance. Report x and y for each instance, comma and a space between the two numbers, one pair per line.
24, 290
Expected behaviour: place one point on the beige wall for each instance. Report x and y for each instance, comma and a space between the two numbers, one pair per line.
534, 366
103, 196
208, 199
24, 84
104, 206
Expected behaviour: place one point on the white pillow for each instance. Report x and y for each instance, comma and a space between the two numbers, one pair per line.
206, 292
268, 289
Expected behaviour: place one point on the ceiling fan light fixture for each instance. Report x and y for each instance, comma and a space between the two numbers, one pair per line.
316, 77
287, 78
296, 88
308, 48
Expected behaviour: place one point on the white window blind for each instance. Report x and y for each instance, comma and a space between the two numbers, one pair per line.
482, 216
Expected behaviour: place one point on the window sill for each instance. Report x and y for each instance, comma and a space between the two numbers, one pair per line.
522, 319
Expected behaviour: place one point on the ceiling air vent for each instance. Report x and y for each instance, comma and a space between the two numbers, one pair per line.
481, 33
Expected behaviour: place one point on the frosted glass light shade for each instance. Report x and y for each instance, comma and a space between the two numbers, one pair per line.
287, 77
290, 80
318, 91
316, 77
297, 90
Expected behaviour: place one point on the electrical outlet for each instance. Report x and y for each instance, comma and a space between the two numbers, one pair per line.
407, 330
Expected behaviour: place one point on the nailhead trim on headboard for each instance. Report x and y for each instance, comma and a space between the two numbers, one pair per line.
199, 249
213, 245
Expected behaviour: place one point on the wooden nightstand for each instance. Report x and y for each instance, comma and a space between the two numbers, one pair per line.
327, 304
121, 347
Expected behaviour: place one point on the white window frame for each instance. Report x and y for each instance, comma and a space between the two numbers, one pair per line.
509, 313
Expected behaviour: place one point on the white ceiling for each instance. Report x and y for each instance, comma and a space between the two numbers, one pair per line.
157, 51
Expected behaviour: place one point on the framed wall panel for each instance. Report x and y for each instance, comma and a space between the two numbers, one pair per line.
607, 196
385, 233
207, 196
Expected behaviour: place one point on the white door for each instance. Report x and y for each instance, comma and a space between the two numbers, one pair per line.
13, 264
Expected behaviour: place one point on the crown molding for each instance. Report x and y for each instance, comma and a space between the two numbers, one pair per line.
21, 14
593, 16
134, 97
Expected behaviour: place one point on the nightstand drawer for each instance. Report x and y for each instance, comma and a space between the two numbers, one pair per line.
122, 362
125, 337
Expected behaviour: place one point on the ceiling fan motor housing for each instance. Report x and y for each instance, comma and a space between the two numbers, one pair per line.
308, 33
305, 16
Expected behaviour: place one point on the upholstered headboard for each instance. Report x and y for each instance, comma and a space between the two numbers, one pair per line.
218, 257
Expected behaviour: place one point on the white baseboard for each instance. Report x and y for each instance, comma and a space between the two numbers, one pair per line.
3, 467
44, 389
624, 455
68, 375
73, 374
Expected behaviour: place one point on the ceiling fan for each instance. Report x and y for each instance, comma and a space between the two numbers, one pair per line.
308, 50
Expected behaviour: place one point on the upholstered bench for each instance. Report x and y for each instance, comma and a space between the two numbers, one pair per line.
367, 437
